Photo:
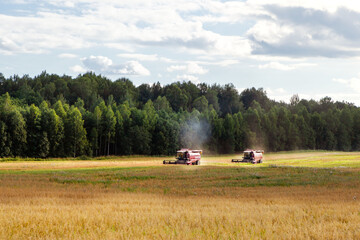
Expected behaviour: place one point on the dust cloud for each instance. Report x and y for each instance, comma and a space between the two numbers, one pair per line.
194, 134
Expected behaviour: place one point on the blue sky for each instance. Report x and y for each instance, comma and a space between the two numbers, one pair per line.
310, 48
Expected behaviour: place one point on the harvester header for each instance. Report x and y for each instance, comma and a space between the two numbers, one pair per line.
186, 156
251, 156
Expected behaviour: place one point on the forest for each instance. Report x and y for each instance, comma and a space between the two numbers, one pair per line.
60, 116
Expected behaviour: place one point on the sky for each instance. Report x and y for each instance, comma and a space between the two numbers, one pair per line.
310, 48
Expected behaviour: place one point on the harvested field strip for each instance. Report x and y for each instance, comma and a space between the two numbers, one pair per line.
188, 180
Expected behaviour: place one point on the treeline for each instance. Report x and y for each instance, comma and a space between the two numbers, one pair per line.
61, 116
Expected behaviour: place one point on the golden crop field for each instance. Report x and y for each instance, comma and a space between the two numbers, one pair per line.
293, 195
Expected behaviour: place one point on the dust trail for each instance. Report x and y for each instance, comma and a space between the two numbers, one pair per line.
194, 134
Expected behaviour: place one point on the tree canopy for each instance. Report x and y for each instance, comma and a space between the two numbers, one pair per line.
59, 116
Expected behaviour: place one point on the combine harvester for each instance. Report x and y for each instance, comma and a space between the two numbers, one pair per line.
251, 156
186, 156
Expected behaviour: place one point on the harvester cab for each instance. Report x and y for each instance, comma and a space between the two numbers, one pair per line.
186, 156
251, 156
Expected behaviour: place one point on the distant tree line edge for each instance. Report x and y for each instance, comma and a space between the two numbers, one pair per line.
61, 116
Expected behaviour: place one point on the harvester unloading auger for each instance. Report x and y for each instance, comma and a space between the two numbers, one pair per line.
186, 156
251, 156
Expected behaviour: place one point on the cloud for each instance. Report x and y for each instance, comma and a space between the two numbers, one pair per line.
144, 57
173, 68
190, 68
105, 65
8, 46
271, 91
240, 90
126, 25
284, 67
67, 55
227, 62
187, 77
133, 68
78, 69
98, 63
352, 83
63, 3
276, 65
274, 27
194, 68
141, 57
305, 32
324, 5
278, 94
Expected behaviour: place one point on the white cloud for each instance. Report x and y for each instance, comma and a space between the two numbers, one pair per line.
179, 26
17, 1
125, 25
173, 68
7, 46
140, 57
284, 67
330, 6
190, 68
78, 69
62, 3
187, 77
270, 31
271, 91
347, 97
281, 34
279, 94
67, 55
144, 57
225, 63
240, 90
352, 83
98, 63
133, 68
307, 32
211, 61
105, 65
276, 65
194, 68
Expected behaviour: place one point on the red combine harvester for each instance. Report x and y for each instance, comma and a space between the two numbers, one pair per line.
251, 156
186, 156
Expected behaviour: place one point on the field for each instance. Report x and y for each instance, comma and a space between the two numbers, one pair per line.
292, 195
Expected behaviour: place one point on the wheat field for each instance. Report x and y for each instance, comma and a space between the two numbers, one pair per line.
142, 199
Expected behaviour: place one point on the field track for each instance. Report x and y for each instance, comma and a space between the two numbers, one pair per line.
293, 195
298, 159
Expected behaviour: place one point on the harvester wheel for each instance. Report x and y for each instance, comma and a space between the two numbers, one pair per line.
198, 162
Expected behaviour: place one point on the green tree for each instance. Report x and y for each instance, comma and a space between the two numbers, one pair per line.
75, 133
54, 128
239, 132
37, 139
97, 116
345, 130
176, 97
161, 103
229, 134
229, 100
201, 103
108, 124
